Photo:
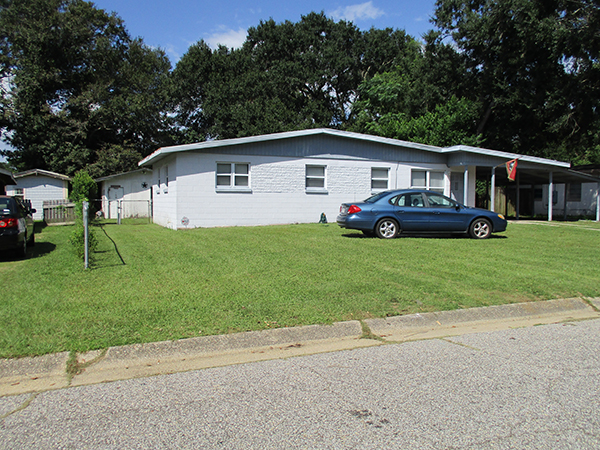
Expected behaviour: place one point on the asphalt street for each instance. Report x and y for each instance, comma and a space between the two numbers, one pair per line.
536, 387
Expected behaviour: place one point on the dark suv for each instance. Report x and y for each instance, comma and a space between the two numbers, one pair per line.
16, 224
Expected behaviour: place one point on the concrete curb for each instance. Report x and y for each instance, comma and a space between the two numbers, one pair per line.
23, 375
451, 323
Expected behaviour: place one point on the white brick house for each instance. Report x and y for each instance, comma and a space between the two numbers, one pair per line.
296, 176
38, 186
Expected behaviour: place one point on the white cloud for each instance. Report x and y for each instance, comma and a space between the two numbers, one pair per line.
227, 37
357, 12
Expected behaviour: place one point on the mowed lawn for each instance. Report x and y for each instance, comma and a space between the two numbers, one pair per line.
148, 283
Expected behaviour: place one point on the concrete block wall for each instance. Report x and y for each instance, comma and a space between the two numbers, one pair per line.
276, 195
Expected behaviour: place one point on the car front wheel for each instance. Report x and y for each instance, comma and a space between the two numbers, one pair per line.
387, 229
480, 229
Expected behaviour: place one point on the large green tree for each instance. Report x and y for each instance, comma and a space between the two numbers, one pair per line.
79, 92
286, 76
420, 99
534, 67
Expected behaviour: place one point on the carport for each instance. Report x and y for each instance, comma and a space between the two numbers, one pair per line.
528, 177
531, 171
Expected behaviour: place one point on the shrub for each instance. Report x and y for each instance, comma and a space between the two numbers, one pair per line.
84, 189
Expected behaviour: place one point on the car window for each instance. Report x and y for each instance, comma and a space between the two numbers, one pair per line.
439, 201
6, 206
414, 200
374, 198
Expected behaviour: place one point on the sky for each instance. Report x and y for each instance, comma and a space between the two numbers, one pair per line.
175, 25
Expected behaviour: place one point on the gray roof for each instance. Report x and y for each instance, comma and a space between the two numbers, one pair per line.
46, 173
108, 177
481, 153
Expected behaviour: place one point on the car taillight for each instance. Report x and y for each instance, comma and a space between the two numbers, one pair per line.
354, 209
9, 223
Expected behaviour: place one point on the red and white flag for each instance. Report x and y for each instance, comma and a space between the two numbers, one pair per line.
511, 169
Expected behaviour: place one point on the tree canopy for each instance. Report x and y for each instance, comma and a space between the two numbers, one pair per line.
78, 88
518, 75
285, 77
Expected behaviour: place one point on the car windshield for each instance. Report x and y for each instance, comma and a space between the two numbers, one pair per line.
374, 198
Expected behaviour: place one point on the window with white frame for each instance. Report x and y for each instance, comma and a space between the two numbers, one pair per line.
315, 178
233, 175
428, 179
379, 178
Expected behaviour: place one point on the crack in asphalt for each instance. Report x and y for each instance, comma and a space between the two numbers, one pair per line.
25, 404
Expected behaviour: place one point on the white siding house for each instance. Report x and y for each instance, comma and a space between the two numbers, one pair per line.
294, 177
128, 192
38, 186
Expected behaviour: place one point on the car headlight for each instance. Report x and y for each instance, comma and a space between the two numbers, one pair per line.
501, 216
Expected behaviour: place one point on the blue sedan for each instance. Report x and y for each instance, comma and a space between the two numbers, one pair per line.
388, 213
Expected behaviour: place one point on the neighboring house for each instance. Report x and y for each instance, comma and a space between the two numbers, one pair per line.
130, 191
38, 186
6, 179
295, 176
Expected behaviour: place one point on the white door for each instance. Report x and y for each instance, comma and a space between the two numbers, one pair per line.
115, 193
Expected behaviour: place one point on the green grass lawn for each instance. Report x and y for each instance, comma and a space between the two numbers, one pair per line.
148, 283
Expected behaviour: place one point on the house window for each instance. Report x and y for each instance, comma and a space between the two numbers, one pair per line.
158, 183
379, 179
233, 176
167, 176
18, 192
427, 179
315, 178
574, 194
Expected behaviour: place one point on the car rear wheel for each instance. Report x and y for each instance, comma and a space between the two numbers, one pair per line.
387, 229
480, 229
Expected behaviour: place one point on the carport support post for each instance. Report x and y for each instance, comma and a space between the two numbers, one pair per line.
598, 203
518, 207
493, 193
550, 190
465, 186
86, 253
